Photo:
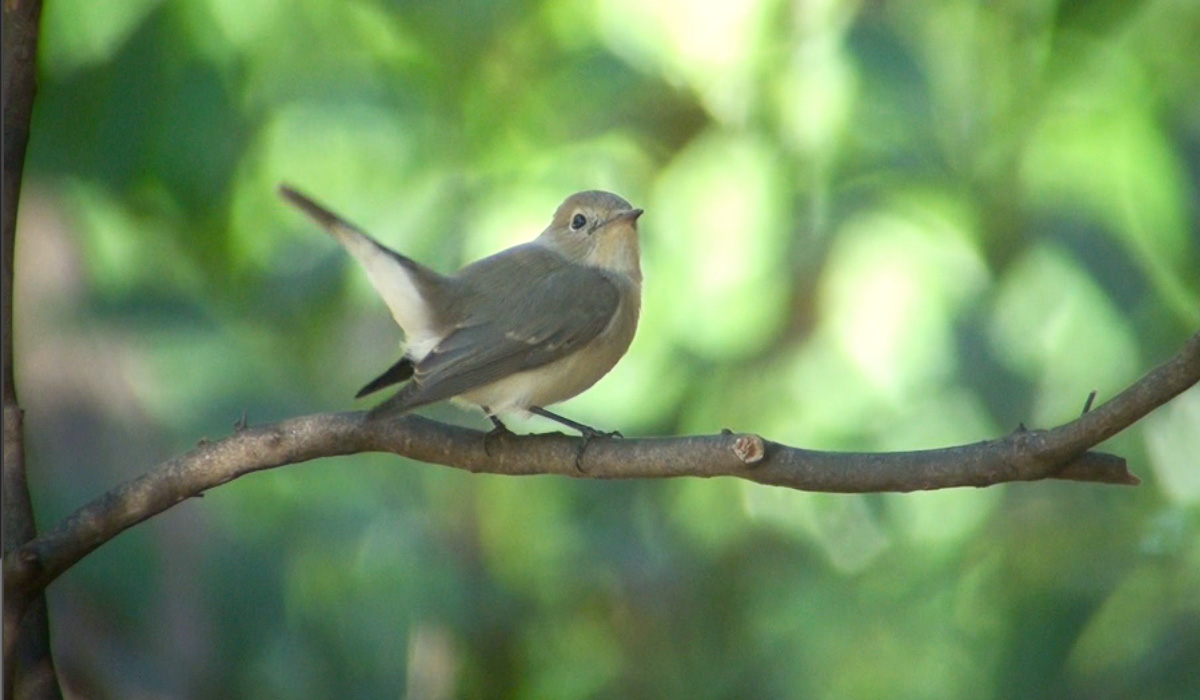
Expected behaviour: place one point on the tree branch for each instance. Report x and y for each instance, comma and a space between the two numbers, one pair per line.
1025, 455
28, 665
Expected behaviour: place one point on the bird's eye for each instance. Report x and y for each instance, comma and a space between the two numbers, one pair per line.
578, 222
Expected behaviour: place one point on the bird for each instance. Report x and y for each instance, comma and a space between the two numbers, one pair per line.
514, 332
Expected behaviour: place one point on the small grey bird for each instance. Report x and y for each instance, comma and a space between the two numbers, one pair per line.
520, 330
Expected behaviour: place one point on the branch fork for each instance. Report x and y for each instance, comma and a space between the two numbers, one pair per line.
1023, 455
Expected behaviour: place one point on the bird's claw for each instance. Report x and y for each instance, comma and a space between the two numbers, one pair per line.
498, 432
586, 437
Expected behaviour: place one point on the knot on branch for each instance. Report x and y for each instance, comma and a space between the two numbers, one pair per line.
23, 568
749, 448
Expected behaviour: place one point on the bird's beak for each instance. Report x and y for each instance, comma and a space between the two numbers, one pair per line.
630, 216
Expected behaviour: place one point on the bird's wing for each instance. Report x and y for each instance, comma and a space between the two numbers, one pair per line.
532, 321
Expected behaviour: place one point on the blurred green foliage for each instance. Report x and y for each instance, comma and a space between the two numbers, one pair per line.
869, 226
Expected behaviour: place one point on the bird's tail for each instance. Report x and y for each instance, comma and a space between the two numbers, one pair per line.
402, 370
407, 287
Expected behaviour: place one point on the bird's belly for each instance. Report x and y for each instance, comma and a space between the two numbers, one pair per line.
545, 385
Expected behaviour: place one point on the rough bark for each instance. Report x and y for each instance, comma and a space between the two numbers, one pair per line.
28, 664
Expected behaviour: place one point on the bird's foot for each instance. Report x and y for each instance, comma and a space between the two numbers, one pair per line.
588, 432
586, 436
499, 431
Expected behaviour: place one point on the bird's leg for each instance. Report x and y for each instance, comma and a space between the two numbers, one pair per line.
499, 426
586, 430
499, 430
589, 433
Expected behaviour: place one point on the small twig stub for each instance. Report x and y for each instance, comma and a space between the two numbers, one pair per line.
749, 448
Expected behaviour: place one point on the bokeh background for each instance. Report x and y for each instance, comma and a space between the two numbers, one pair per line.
870, 226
